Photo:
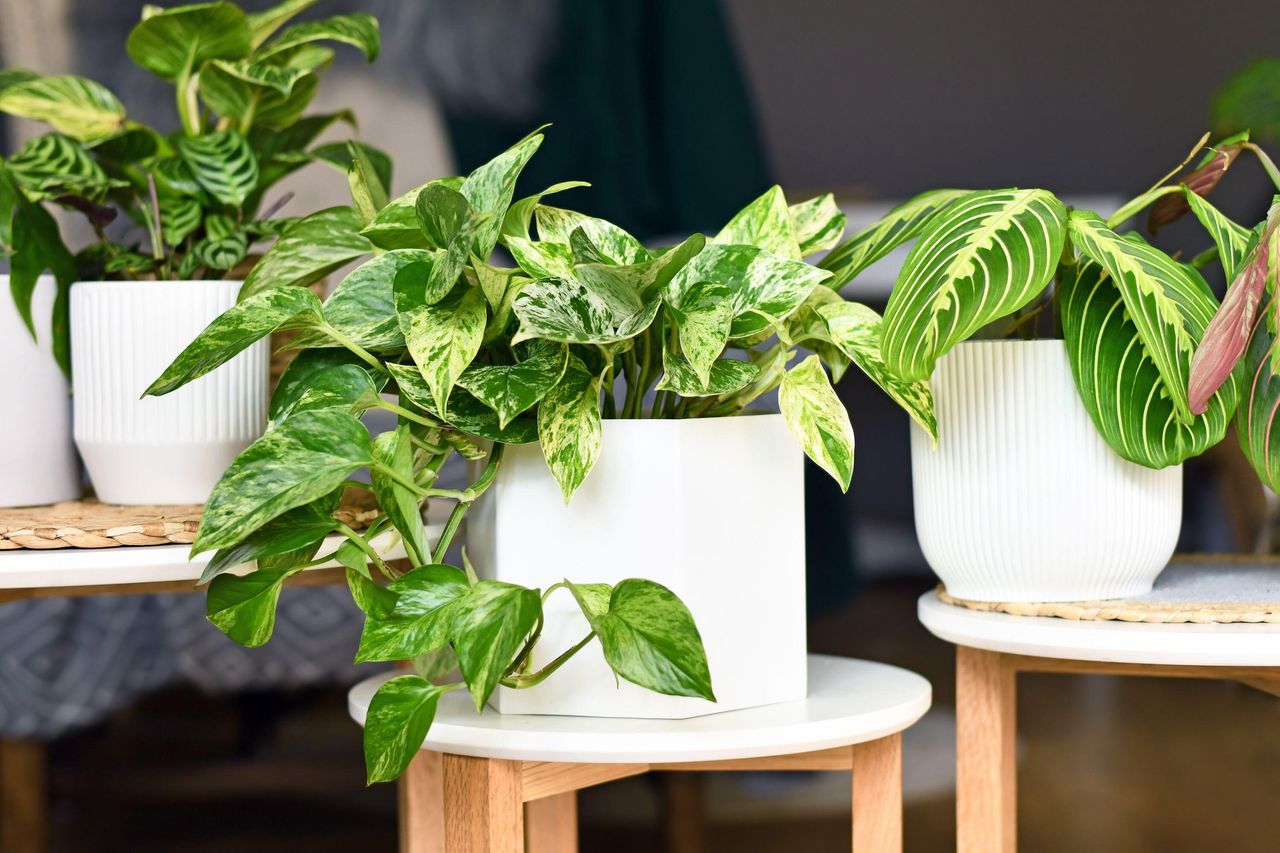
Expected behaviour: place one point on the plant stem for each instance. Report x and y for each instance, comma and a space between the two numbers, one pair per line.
1120, 216
368, 549
523, 655
402, 480
360, 351
1267, 163
522, 681
468, 496
408, 415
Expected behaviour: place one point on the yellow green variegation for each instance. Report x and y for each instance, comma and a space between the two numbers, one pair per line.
902, 224
817, 419
569, 426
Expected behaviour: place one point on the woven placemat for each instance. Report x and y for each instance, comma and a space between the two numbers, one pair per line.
1191, 589
90, 524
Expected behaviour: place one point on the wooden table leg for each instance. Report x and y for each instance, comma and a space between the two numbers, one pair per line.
483, 806
551, 824
683, 813
24, 823
421, 810
877, 795
986, 759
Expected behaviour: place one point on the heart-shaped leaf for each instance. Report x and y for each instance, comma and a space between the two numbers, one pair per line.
489, 625
308, 250
423, 619
510, 389
400, 715
244, 607
177, 41
569, 426
766, 224
444, 337
818, 419
599, 305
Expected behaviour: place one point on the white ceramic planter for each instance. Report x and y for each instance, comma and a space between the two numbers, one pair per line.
158, 450
1022, 500
37, 459
713, 509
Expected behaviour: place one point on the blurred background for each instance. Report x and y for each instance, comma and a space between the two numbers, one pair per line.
679, 113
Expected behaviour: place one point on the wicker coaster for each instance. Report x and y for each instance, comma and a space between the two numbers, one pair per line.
89, 524
1191, 589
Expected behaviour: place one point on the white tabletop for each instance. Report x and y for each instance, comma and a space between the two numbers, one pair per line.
1187, 644
850, 701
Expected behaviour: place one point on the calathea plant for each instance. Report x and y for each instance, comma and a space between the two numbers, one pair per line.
995, 262
472, 354
242, 83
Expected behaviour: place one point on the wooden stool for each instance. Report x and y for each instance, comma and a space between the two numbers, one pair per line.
489, 783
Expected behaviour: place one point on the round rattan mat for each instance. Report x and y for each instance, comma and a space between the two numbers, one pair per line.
90, 524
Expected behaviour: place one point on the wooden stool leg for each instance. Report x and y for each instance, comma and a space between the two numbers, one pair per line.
24, 825
877, 796
483, 806
684, 817
421, 812
551, 824
986, 759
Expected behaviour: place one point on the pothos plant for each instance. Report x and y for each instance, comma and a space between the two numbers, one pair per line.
194, 197
472, 354
998, 262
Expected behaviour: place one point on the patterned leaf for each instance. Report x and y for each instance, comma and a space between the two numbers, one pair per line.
346, 387
55, 165
902, 224
443, 338
262, 25
400, 714
393, 451
180, 217
569, 426
1231, 239
703, 319
818, 224
516, 221
542, 259
510, 389
422, 621
765, 224
599, 305
358, 30
1256, 422
308, 250
362, 306
222, 253
293, 530
725, 376
223, 164
985, 256
76, 106
304, 371
555, 225
489, 624
466, 413
817, 419
396, 226
489, 189
244, 608
175, 41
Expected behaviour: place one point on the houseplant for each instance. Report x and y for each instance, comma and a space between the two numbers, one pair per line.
194, 203
1022, 498
541, 373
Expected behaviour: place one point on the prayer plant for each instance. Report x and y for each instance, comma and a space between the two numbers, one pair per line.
471, 354
241, 81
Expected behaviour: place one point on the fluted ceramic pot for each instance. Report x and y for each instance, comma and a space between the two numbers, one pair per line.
38, 463
1022, 500
158, 450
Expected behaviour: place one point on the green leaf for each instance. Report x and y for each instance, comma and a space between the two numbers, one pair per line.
489, 189
39, 247
244, 608
555, 225
371, 597
542, 260
466, 413
510, 389
180, 217
648, 637
985, 256
223, 164
1231, 239
427, 600
855, 329
358, 30
308, 250
442, 338
396, 226
493, 281
235, 330
296, 529
400, 715
818, 419
451, 225
599, 305
54, 165
14, 76
1257, 426
818, 224
489, 624
765, 224
703, 318
307, 370
281, 111
1249, 100
177, 41
393, 451
304, 458
340, 155
725, 376
345, 387
569, 426
362, 306
223, 253
520, 213
367, 189
76, 106
258, 75
262, 25
902, 224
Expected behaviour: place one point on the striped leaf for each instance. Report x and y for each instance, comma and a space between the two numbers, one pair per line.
1256, 422
986, 255
1231, 239
173, 42
76, 106
903, 223
56, 165
263, 25
358, 30
180, 216
818, 419
818, 224
569, 426
1130, 400
223, 164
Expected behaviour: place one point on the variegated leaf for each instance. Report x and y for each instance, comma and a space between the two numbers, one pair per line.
76, 106
244, 607
494, 282
1257, 425
985, 256
702, 320
855, 329
725, 376
347, 387
289, 532
422, 619
490, 622
510, 389
54, 165
263, 25
452, 225
393, 452
520, 213
400, 715
306, 371
178, 41
1231, 239
396, 225
765, 224
900, 225
569, 426
1122, 388
818, 224
541, 259
555, 225
223, 164
466, 413
235, 330
358, 30
599, 305
818, 419
308, 250
363, 305
443, 337
489, 189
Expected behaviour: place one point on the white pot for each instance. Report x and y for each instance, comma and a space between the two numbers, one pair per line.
1022, 500
36, 454
712, 509
158, 450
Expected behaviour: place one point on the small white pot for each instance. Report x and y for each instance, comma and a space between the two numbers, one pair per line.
1022, 500
37, 457
158, 450
712, 509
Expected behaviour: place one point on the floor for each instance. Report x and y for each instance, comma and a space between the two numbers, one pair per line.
1107, 764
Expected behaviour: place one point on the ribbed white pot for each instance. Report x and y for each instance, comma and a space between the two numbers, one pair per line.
711, 508
37, 457
1022, 500
158, 450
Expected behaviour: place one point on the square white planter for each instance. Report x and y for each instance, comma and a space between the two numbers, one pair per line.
712, 509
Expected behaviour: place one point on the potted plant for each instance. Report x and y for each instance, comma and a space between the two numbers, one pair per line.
1055, 472
194, 203
596, 369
